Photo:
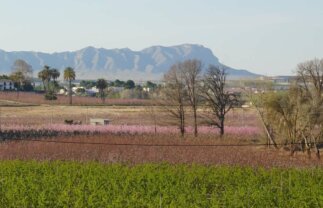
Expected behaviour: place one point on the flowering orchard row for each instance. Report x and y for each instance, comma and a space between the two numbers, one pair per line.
133, 129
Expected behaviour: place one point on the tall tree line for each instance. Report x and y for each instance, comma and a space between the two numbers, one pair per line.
49, 78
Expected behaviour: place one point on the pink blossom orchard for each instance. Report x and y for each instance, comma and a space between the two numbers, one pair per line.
136, 129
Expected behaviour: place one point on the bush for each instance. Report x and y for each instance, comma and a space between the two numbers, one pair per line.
28, 87
50, 96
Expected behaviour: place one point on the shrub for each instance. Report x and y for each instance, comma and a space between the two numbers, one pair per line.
50, 96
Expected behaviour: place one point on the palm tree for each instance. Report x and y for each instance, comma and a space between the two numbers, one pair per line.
69, 75
45, 76
101, 84
41, 76
54, 74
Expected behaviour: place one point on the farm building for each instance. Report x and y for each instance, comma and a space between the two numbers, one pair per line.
6, 84
99, 121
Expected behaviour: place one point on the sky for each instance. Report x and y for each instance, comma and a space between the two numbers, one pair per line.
266, 37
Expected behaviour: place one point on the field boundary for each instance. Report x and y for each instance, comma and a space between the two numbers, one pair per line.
156, 145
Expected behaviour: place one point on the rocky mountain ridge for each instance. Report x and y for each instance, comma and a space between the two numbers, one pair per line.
91, 63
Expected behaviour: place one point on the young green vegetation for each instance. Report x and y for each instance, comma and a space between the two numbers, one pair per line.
69, 184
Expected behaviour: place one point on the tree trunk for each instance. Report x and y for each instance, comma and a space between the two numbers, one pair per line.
317, 150
47, 87
195, 122
102, 97
182, 131
268, 132
221, 131
318, 154
181, 128
222, 127
70, 91
292, 149
307, 147
44, 86
182, 121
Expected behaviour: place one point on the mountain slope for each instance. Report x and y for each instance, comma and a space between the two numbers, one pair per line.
92, 63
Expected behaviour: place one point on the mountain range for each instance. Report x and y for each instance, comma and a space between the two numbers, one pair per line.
92, 63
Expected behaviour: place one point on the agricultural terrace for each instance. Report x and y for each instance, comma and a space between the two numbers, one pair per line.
140, 160
137, 134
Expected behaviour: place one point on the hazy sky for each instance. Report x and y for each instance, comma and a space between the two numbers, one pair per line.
264, 36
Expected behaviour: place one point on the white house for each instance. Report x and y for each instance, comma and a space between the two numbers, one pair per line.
6, 84
62, 91
146, 89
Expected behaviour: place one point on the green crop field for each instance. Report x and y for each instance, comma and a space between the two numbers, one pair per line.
71, 184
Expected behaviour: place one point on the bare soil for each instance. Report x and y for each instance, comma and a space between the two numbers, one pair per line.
152, 149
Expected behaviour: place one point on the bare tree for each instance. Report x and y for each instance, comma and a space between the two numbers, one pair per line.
297, 115
217, 98
174, 95
21, 74
192, 70
310, 80
310, 75
285, 111
258, 101
23, 67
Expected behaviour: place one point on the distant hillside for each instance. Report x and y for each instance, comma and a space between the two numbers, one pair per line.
92, 63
